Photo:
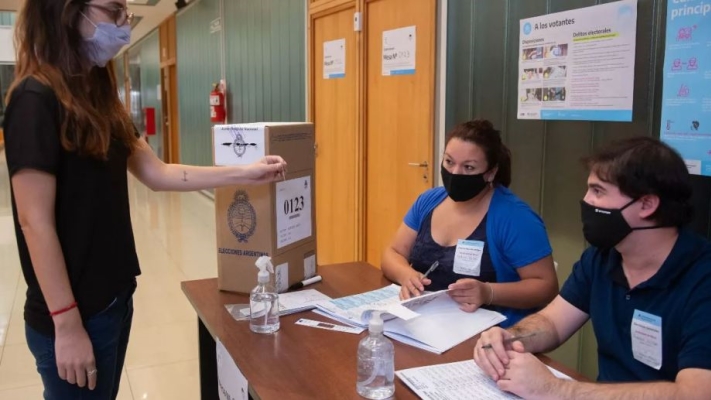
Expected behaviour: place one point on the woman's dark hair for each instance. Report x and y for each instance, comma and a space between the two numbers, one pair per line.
482, 133
49, 43
643, 166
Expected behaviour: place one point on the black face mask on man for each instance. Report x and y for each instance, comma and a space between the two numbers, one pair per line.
605, 228
463, 187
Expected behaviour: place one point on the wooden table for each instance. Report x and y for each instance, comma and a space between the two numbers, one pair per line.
301, 362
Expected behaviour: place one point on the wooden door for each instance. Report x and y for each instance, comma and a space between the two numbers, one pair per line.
334, 111
171, 131
165, 114
399, 119
169, 90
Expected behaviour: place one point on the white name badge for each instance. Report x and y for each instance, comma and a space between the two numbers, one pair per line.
646, 335
467, 258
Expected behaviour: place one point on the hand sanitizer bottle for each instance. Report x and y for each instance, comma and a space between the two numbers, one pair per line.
376, 363
264, 300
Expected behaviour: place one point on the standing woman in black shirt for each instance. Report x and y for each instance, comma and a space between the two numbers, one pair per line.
69, 143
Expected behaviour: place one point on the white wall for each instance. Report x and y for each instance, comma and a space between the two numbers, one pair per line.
7, 48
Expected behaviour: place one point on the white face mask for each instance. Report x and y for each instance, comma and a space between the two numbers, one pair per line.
107, 41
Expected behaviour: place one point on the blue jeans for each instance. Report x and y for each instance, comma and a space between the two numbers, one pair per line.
108, 331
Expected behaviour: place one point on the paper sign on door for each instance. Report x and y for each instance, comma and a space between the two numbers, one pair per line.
334, 59
399, 47
467, 258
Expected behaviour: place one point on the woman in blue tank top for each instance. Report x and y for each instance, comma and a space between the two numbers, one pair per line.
492, 248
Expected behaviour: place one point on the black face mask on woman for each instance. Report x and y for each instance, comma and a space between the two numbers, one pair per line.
463, 187
605, 228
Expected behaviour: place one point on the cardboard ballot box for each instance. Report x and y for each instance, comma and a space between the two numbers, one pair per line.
276, 219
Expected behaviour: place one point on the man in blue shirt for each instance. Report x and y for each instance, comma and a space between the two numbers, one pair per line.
645, 284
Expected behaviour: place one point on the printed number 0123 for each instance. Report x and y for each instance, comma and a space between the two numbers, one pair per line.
293, 205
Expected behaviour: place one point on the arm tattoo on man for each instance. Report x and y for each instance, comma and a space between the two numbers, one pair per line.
185, 176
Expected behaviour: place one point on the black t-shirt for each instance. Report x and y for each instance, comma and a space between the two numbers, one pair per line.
91, 207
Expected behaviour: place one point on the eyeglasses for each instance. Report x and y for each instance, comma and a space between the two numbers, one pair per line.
120, 15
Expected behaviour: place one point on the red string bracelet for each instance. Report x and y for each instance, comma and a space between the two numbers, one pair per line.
63, 310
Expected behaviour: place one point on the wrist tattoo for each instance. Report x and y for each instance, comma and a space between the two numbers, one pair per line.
185, 176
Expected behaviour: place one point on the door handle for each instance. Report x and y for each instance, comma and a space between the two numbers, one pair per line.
421, 165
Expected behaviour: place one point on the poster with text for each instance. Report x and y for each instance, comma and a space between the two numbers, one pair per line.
579, 64
399, 51
334, 59
686, 104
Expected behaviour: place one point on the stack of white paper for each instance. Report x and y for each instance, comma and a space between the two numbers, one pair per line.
462, 380
431, 322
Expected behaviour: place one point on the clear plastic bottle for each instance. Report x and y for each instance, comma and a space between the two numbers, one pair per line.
264, 301
376, 363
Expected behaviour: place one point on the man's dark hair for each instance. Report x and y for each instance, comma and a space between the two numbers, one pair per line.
645, 166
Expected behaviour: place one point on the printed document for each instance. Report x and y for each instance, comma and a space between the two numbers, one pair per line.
431, 322
462, 380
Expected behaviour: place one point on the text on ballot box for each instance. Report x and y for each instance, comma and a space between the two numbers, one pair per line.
275, 219
294, 219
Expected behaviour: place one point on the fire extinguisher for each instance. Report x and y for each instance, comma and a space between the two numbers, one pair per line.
217, 104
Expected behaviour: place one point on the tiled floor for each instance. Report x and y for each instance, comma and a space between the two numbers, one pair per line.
175, 236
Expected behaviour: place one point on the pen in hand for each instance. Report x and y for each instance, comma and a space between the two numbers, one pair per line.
432, 268
511, 340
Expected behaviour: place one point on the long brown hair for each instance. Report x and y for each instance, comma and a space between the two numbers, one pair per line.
48, 44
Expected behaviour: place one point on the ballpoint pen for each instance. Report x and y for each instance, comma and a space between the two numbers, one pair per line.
432, 268
511, 339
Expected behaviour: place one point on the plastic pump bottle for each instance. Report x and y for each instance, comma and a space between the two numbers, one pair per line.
376, 363
264, 300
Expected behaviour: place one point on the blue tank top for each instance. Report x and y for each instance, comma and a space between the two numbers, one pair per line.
426, 251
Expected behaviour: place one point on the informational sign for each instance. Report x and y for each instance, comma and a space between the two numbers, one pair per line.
232, 385
686, 105
7, 46
239, 144
399, 47
293, 210
334, 59
215, 25
579, 64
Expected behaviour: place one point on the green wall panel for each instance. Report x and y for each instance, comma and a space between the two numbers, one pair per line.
265, 57
264, 67
150, 86
482, 81
198, 68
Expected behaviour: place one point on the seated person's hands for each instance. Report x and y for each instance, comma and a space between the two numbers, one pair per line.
470, 293
525, 375
413, 285
494, 361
